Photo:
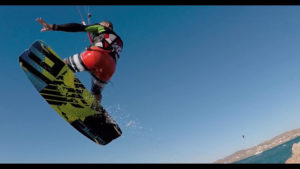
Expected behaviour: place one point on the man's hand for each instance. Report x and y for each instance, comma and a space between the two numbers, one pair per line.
46, 26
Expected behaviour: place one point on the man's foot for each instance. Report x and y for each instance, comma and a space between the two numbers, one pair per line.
98, 97
96, 106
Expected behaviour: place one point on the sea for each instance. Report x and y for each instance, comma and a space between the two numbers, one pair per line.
275, 155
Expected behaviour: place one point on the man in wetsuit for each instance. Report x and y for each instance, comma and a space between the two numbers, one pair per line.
100, 58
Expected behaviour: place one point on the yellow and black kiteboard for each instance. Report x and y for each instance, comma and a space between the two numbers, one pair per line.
59, 86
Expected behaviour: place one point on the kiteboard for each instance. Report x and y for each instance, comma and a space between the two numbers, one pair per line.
63, 91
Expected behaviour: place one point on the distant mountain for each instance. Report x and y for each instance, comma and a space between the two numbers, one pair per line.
242, 154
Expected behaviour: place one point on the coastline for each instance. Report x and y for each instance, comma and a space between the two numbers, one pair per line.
266, 145
295, 158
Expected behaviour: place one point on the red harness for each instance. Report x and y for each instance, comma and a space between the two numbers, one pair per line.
99, 62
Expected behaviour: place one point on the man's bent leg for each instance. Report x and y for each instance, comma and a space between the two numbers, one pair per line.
97, 87
75, 63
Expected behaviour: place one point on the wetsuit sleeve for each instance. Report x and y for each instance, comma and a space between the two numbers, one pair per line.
69, 27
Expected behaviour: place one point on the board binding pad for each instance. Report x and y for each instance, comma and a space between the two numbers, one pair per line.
59, 86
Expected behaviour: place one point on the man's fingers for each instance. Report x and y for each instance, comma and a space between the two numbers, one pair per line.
46, 27
40, 20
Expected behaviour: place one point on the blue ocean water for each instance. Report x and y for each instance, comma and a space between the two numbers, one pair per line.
276, 155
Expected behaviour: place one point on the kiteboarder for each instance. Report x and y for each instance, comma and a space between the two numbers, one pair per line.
100, 58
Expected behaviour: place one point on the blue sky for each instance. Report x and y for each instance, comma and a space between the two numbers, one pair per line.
190, 82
